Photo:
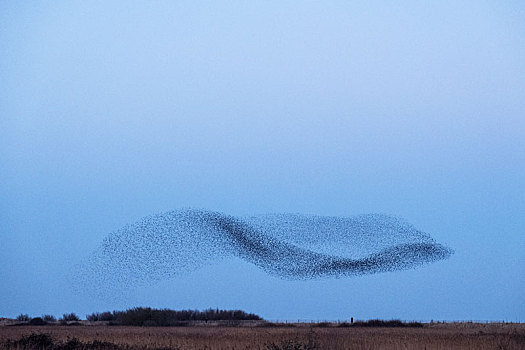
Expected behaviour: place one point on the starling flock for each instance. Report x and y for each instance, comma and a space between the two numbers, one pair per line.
290, 246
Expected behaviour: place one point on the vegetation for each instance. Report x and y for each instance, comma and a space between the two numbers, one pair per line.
23, 318
37, 321
70, 317
49, 318
101, 316
382, 323
461, 336
142, 316
46, 342
310, 343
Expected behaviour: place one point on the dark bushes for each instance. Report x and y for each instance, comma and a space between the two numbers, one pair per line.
32, 341
274, 325
37, 321
46, 342
23, 318
101, 316
148, 317
322, 324
381, 323
49, 318
69, 317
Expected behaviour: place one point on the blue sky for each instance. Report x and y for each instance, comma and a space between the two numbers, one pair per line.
113, 111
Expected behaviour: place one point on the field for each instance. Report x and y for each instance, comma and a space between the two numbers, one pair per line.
258, 336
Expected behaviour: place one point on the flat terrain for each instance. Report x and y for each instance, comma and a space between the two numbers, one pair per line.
300, 336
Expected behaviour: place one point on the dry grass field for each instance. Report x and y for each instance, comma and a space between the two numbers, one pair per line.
297, 337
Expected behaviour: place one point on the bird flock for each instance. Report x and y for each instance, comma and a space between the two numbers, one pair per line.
290, 246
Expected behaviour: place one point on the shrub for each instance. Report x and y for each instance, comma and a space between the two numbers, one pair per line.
23, 318
100, 316
33, 341
322, 324
106, 316
70, 317
49, 318
37, 321
382, 323
141, 316
46, 342
414, 324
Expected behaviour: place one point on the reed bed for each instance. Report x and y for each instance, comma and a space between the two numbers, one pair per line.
296, 337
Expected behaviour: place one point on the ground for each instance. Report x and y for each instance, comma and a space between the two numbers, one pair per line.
508, 336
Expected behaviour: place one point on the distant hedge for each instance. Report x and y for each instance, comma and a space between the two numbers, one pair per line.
382, 323
141, 316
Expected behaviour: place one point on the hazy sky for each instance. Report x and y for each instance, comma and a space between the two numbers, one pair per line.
110, 111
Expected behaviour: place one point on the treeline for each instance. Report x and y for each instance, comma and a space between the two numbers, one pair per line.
46, 319
145, 316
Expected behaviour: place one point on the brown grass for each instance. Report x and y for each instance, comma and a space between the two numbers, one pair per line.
431, 336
